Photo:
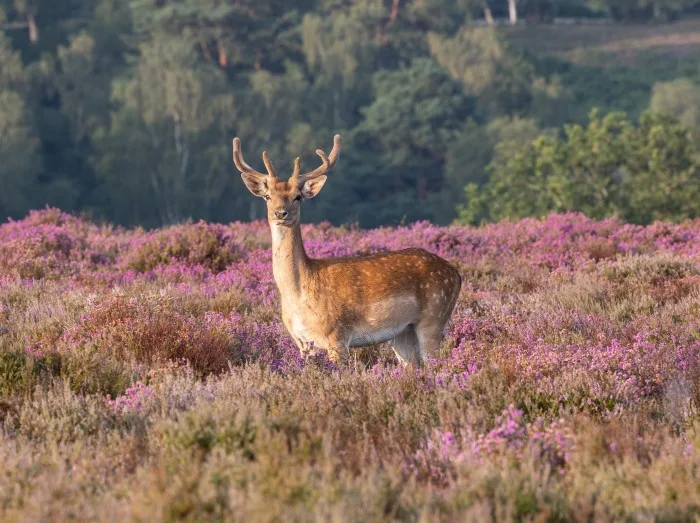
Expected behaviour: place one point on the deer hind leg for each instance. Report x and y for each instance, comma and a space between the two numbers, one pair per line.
433, 325
405, 345
429, 334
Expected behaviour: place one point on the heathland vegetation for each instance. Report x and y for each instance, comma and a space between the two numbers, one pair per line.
126, 109
146, 376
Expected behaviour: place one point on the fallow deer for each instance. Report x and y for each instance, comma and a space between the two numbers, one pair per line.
405, 297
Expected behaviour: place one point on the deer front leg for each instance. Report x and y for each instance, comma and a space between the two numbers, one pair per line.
335, 350
304, 348
338, 355
335, 347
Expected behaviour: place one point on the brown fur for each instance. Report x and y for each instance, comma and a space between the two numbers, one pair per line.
333, 304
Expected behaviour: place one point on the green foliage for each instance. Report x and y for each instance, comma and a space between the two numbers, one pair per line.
680, 98
477, 146
12, 372
640, 172
165, 111
410, 126
19, 161
504, 80
126, 110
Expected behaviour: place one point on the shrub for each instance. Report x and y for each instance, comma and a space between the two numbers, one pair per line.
195, 244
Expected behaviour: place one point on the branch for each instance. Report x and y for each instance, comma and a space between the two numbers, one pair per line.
393, 15
14, 25
29, 24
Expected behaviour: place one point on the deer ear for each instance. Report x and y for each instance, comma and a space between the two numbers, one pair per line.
312, 187
256, 184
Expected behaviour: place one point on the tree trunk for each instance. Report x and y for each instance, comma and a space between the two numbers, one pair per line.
33, 28
223, 57
393, 15
258, 59
488, 15
512, 12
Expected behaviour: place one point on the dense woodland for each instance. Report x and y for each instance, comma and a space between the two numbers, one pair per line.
125, 110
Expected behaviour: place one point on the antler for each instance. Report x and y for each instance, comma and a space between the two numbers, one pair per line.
242, 166
328, 163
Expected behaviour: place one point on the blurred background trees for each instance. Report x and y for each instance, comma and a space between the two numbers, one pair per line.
466, 110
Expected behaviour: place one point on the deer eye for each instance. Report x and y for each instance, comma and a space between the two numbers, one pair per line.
298, 198
267, 197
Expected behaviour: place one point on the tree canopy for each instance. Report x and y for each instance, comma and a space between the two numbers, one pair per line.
126, 110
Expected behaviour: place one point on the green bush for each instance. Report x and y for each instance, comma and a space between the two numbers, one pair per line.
611, 167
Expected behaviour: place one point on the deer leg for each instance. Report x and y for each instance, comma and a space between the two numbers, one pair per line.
429, 335
405, 345
336, 348
337, 354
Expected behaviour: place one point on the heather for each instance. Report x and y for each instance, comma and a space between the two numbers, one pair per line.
146, 376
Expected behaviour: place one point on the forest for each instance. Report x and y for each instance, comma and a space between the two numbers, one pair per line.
461, 110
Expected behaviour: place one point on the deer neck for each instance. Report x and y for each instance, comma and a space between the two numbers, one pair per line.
290, 264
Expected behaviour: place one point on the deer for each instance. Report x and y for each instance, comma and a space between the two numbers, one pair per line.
403, 297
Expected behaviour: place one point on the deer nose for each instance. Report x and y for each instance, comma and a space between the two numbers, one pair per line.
281, 214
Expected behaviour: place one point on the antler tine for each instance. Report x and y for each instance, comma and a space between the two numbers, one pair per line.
242, 166
324, 159
328, 161
297, 167
268, 165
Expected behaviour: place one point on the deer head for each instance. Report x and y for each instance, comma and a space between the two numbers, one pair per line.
284, 198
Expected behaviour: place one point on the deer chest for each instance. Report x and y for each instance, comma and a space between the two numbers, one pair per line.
302, 327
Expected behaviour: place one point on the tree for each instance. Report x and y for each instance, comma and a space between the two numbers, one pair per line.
19, 159
251, 34
504, 81
23, 14
39, 26
20, 162
664, 177
339, 53
12, 73
478, 146
611, 167
679, 98
512, 12
418, 111
81, 87
153, 158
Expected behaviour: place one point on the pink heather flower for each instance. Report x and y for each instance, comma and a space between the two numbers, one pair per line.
135, 399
